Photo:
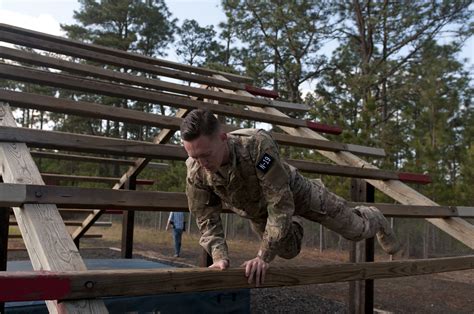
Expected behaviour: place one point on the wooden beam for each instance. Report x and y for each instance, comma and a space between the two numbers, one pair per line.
53, 104
75, 223
91, 144
75, 178
89, 236
107, 145
139, 66
458, 228
38, 223
132, 282
28, 41
84, 158
115, 76
355, 172
75, 197
128, 224
119, 53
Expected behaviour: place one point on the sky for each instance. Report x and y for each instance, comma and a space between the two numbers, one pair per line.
47, 15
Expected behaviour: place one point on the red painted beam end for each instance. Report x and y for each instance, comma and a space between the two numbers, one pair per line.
261, 92
324, 128
40, 286
145, 182
414, 177
114, 211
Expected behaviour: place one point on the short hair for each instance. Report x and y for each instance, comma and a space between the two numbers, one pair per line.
199, 122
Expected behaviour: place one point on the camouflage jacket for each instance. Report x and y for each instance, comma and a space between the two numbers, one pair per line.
255, 184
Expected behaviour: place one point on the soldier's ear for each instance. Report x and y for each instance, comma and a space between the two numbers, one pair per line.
223, 136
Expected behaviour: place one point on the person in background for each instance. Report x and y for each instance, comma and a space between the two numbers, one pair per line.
176, 219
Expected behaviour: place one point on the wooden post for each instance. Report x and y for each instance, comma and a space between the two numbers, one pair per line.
4, 226
128, 223
321, 238
38, 223
361, 293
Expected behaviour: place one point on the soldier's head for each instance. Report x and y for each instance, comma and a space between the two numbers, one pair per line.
204, 140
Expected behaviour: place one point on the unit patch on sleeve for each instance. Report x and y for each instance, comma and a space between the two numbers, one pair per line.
265, 163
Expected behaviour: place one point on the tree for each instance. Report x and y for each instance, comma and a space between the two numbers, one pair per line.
196, 44
281, 40
142, 26
378, 42
145, 27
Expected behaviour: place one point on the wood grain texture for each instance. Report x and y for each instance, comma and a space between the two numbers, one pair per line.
120, 53
108, 145
75, 197
49, 245
131, 282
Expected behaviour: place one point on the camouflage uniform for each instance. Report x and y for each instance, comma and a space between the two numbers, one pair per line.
258, 185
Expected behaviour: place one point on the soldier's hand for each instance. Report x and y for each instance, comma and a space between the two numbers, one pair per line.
222, 264
257, 268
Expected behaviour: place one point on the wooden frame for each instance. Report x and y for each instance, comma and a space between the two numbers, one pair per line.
32, 203
101, 283
75, 197
38, 222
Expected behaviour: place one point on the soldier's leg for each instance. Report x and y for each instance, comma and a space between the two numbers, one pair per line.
354, 224
290, 245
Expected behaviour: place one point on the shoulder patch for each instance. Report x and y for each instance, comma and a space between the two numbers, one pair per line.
265, 163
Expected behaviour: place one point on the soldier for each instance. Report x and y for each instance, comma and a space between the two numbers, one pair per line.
243, 171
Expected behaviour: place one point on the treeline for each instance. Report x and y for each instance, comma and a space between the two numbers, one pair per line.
388, 72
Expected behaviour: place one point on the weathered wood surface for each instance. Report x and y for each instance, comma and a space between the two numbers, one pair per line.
97, 72
94, 159
458, 228
116, 52
355, 172
42, 102
91, 144
49, 245
65, 177
108, 145
140, 66
131, 282
75, 197
74, 223
89, 236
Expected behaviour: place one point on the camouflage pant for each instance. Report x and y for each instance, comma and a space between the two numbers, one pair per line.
331, 211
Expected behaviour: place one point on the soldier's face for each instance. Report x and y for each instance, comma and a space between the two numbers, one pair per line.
209, 151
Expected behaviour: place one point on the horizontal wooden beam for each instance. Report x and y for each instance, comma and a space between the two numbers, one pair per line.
76, 223
115, 76
355, 172
84, 158
106, 145
38, 43
53, 104
74, 197
122, 54
75, 178
421, 211
89, 235
139, 66
29, 286
91, 144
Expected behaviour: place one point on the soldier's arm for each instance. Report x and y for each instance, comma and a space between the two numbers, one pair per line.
207, 207
275, 184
